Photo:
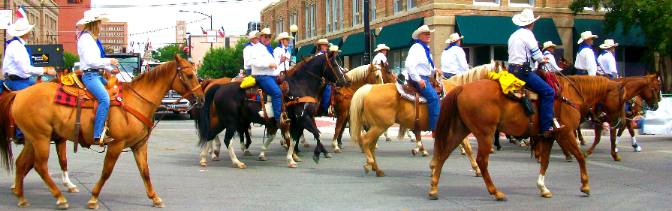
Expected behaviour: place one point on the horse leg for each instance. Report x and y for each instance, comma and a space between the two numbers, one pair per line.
419, 148
635, 146
41, 156
566, 141
598, 134
229, 146
442, 150
484, 148
369, 146
614, 145
466, 146
544, 148
63, 161
340, 135
497, 144
24, 163
303, 141
204, 153
140, 154
580, 136
264, 147
216, 148
248, 140
113, 151
296, 132
340, 126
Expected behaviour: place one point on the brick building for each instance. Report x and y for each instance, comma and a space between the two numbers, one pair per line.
114, 36
70, 12
44, 14
485, 24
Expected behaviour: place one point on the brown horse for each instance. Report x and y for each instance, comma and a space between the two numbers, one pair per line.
360, 76
380, 106
481, 107
646, 87
129, 126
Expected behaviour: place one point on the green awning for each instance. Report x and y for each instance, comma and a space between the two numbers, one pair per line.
398, 35
354, 44
336, 41
634, 37
495, 30
306, 50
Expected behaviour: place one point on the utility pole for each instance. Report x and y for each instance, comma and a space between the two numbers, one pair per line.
367, 34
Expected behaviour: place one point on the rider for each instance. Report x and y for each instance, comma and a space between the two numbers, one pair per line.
322, 48
381, 56
606, 59
282, 53
17, 65
523, 50
548, 50
453, 59
264, 70
585, 63
420, 66
246, 51
92, 62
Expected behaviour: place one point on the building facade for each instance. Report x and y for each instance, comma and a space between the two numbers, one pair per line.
44, 14
180, 31
485, 24
71, 11
200, 45
114, 36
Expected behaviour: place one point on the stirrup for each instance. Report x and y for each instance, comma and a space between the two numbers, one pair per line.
103, 137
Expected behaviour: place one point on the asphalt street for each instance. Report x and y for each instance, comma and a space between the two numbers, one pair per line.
641, 181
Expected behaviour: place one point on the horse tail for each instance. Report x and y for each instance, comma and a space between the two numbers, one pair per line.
6, 156
402, 132
356, 109
449, 116
203, 120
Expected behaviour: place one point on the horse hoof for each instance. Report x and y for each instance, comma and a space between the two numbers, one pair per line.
414, 152
338, 150
637, 148
73, 190
380, 173
316, 158
292, 165
547, 194
586, 190
388, 139
297, 159
568, 159
215, 158
23, 204
433, 196
158, 204
263, 158
62, 206
204, 164
499, 196
240, 165
92, 205
327, 155
425, 153
366, 169
617, 158
247, 153
478, 174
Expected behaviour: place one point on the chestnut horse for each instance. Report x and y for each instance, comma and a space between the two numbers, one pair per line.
481, 107
129, 126
380, 106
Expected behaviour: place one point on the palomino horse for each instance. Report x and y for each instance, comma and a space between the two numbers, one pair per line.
365, 74
481, 107
646, 87
380, 106
129, 126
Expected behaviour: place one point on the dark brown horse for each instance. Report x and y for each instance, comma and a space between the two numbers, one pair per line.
481, 107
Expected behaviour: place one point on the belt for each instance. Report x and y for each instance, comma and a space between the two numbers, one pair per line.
15, 77
519, 68
93, 71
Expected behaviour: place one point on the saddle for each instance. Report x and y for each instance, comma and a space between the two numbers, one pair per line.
409, 92
72, 92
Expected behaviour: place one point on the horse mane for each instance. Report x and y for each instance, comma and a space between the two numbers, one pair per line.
359, 73
298, 66
155, 73
589, 86
474, 74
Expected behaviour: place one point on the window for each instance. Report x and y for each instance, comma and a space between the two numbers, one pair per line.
398, 6
373, 10
410, 4
279, 25
293, 20
334, 11
327, 9
357, 12
487, 2
309, 17
521, 3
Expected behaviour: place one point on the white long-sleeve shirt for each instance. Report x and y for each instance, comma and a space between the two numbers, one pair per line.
607, 62
454, 60
551, 61
417, 63
260, 59
17, 60
246, 55
379, 59
89, 54
278, 52
585, 60
523, 46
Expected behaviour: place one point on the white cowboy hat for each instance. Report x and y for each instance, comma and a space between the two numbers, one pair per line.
333, 48
91, 16
265, 31
608, 43
252, 34
454, 37
381, 47
19, 28
586, 35
322, 42
548, 44
526, 17
283, 35
420, 30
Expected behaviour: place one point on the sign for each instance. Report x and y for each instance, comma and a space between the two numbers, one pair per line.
47, 55
212, 36
5, 18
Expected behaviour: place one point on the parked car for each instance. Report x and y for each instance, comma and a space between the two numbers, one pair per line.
172, 103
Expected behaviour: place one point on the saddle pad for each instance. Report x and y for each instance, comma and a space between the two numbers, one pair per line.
408, 96
64, 98
507, 81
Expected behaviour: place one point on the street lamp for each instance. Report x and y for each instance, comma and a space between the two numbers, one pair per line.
206, 15
293, 29
188, 46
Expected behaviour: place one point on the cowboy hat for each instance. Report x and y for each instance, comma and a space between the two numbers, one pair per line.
585, 36
19, 28
608, 43
420, 30
265, 31
252, 34
333, 48
526, 17
381, 47
454, 37
548, 44
91, 16
322, 42
283, 35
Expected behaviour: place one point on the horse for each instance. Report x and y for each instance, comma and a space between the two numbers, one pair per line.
303, 81
379, 106
481, 107
130, 126
646, 87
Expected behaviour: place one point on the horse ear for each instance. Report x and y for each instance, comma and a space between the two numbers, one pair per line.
178, 58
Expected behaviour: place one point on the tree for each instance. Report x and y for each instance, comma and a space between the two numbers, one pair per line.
167, 53
655, 19
69, 60
223, 62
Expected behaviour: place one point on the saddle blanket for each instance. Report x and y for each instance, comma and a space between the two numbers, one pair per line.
64, 98
507, 81
409, 96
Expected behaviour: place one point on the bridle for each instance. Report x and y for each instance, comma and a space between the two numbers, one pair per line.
184, 84
330, 67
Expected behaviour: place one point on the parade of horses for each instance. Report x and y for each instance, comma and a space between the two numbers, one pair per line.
320, 118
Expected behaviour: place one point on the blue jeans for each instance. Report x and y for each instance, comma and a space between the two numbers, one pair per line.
16, 85
546, 95
432, 100
581, 72
268, 85
326, 98
447, 75
94, 83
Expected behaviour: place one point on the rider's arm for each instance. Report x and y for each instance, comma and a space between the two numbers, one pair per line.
462, 57
20, 55
413, 60
533, 47
89, 52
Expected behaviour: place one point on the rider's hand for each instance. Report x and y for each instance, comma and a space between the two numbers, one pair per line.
283, 58
115, 71
114, 62
49, 71
422, 84
273, 65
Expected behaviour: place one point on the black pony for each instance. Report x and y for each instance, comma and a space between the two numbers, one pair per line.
235, 113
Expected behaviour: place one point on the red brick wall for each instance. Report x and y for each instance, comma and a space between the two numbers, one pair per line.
69, 14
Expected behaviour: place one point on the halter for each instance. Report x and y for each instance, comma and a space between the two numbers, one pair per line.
329, 65
183, 83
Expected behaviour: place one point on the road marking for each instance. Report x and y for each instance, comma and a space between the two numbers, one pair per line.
665, 151
606, 165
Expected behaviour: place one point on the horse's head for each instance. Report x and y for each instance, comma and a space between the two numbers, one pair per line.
651, 95
374, 74
185, 81
387, 74
330, 70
